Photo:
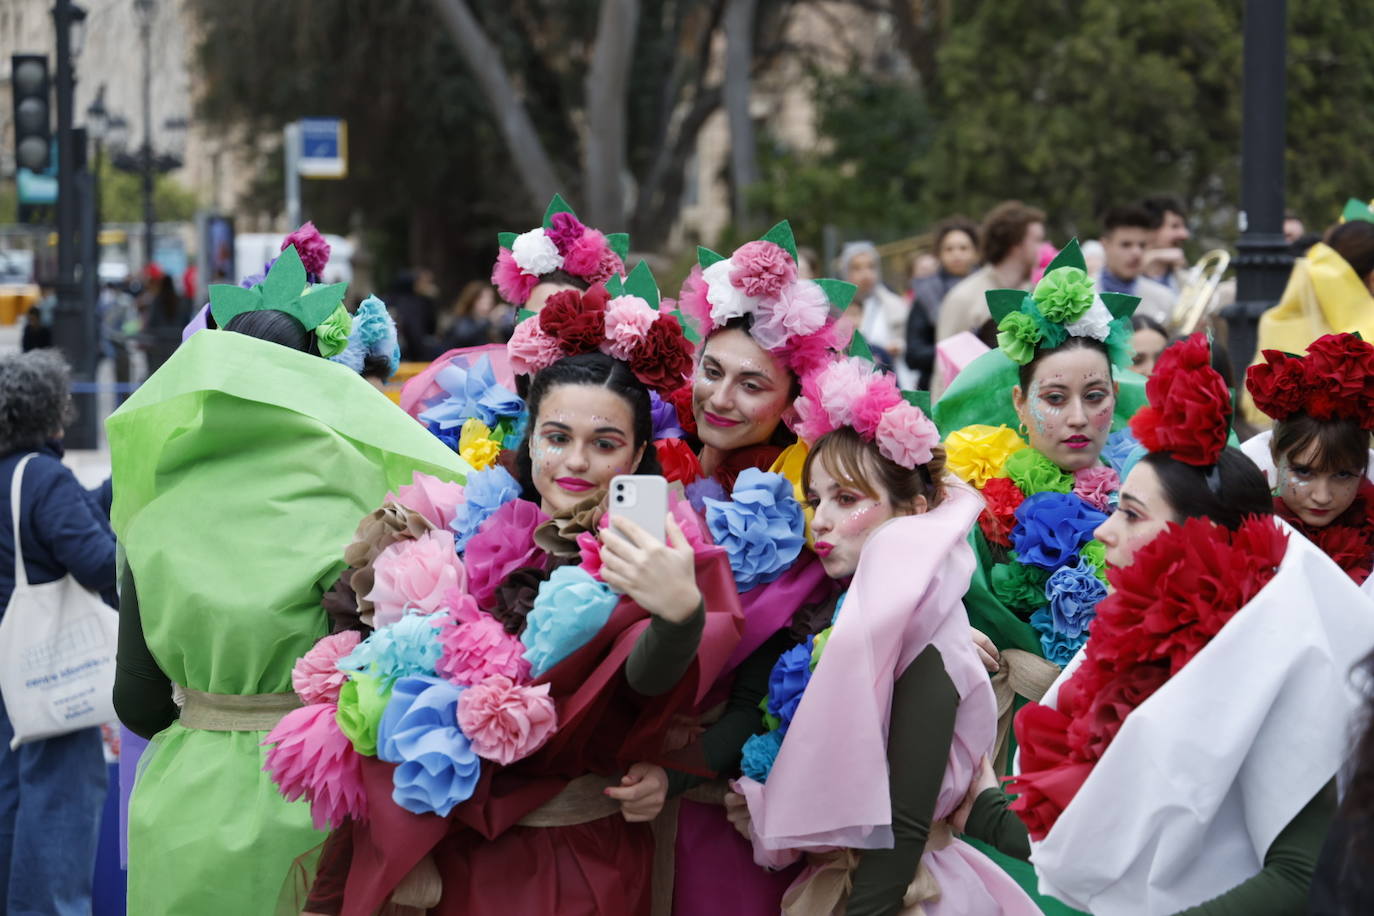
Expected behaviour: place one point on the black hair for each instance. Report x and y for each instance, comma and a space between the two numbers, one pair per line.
782, 436
604, 372
1027, 372
274, 326
563, 278
376, 366
1341, 444
1354, 241
1227, 493
1126, 217
1146, 323
955, 224
1158, 206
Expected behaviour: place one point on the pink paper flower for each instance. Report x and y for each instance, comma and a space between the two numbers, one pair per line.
462, 607
530, 349
842, 384
475, 651
506, 722
503, 544
415, 574
316, 677
809, 420
510, 281
1095, 486
565, 230
690, 523
906, 435
311, 757
762, 269
800, 308
589, 548
628, 319
693, 302
433, 498
591, 258
311, 246
809, 353
882, 395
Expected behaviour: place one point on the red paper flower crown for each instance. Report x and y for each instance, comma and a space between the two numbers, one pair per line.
1189, 414
1334, 381
626, 328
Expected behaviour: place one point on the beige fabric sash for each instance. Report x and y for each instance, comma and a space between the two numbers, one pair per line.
583, 800
827, 888
1023, 674
225, 712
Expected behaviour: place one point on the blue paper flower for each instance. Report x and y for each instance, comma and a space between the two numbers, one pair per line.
1057, 647
1074, 592
519, 423
470, 393
568, 611
1122, 451
410, 646
762, 527
373, 334
1050, 527
787, 682
759, 753
702, 489
485, 492
665, 418
447, 436
437, 768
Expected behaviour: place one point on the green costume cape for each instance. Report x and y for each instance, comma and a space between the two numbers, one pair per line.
241, 470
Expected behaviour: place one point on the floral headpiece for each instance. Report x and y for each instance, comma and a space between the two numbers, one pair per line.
1189, 414
1356, 209
853, 392
1334, 381
1062, 305
284, 289
620, 319
373, 334
562, 243
791, 317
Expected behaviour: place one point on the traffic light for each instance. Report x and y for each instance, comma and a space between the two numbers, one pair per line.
32, 124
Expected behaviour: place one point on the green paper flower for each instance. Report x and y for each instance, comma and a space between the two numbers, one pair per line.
1017, 336
818, 647
361, 703
1033, 473
1094, 553
1019, 586
1118, 342
1051, 334
1064, 295
332, 334
770, 721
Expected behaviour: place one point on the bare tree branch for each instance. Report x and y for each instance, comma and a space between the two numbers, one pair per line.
607, 89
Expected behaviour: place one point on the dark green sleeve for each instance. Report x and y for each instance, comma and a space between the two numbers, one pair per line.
1281, 887
992, 822
924, 705
724, 739
142, 693
1003, 625
663, 652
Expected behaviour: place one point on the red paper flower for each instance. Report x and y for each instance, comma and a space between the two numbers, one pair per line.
678, 461
1189, 412
664, 358
681, 399
1278, 385
577, 320
999, 516
1334, 380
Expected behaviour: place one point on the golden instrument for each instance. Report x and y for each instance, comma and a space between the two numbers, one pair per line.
1197, 300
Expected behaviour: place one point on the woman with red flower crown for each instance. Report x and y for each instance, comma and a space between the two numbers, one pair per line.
1318, 454
1209, 710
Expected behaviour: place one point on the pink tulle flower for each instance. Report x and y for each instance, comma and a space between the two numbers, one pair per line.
810, 353
842, 384
462, 607
882, 395
504, 721
762, 269
530, 349
1095, 486
313, 758
316, 677
906, 435
510, 281
693, 302
800, 308
479, 649
433, 498
503, 544
311, 246
589, 549
565, 230
627, 323
415, 574
587, 258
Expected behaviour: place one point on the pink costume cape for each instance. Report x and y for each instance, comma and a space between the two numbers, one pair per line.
829, 785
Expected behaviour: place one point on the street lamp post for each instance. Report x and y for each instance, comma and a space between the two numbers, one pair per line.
145, 10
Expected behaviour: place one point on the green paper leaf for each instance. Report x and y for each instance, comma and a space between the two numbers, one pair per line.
285, 281
1356, 209
1120, 304
313, 308
781, 235
1002, 302
506, 239
1069, 256
557, 205
839, 292
614, 287
688, 330
859, 347
620, 243
228, 301
641, 283
919, 399
706, 257
522, 314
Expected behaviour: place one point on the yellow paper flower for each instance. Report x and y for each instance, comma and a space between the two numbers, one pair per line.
475, 445
978, 453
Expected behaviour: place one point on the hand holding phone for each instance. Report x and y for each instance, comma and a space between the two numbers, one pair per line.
659, 575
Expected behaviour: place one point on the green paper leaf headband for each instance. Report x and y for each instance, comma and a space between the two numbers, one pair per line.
1063, 304
1356, 209
285, 289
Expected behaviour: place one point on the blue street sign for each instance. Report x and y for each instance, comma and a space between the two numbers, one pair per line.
324, 148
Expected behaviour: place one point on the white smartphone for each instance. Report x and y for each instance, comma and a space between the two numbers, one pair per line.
641, 498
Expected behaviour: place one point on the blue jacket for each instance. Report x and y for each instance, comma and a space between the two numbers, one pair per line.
62, 525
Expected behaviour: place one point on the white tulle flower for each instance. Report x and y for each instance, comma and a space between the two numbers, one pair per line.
1095, 323
535, 253
727, 300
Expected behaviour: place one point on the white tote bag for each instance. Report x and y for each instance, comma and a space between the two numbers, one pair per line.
57, 650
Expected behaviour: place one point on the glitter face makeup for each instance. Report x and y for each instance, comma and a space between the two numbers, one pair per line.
739, 392
1315, 494
1068, 410
1142, 513
583, 436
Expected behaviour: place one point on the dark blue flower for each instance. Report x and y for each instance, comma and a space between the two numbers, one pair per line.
1051, 527
759, 753
761, 527
791, 673
1074, 592
448, 437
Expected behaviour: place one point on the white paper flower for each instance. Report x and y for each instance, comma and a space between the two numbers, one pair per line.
535, 253
727, 301
1095, 323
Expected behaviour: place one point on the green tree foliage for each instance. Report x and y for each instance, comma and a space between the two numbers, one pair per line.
121, 198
